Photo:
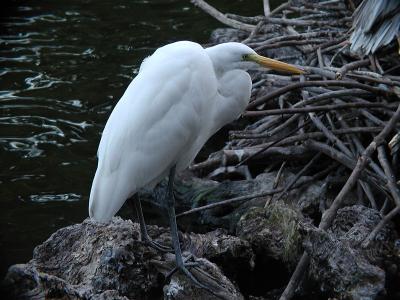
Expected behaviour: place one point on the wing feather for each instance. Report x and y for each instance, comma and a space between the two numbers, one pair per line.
151, 126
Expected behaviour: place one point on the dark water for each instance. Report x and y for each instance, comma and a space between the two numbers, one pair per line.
63, 66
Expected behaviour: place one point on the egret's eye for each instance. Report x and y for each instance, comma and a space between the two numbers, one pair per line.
245, 57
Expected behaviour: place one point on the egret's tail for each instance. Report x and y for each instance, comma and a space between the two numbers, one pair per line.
106, 197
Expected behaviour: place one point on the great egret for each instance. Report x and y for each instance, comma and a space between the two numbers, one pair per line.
182, 95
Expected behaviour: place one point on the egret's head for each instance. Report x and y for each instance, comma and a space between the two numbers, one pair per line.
236, 55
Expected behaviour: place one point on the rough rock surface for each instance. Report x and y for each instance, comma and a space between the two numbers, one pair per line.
224, 35
98, 261
338, 261
274, 231
340, 266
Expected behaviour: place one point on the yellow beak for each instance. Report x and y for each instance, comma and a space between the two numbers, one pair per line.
274, 64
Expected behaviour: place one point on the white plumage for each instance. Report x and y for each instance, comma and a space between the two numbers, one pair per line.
182, 95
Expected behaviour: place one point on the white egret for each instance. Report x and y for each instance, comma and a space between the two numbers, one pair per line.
182, 95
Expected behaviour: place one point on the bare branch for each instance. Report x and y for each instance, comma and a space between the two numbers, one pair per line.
221, 17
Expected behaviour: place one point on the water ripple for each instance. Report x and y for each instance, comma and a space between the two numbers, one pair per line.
55, 197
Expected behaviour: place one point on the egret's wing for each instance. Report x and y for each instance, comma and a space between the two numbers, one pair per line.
157, 118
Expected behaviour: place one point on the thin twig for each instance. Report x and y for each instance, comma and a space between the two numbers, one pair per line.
221, 17
308, 135
394, 190
330, 213
276, 182
335, 140
253, 33
299, 174
312, 109
298, 85
269, 146
351, 66
379, 226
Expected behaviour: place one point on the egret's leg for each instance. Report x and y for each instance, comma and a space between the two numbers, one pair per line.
180, 263
143, 230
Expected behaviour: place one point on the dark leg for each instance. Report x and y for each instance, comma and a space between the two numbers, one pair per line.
180, 263
143, 231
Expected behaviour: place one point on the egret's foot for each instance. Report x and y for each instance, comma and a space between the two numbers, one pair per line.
184, 268
185, 263
149, 242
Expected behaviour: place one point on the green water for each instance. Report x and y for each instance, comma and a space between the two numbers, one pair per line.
63, 66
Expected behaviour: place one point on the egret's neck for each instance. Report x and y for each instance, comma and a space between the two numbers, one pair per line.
219, 60
234, 89
234, 83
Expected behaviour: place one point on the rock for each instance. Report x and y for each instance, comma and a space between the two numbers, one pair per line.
339, 264
312, 198
230, 253
340, 267
224, 35
274, 231
180, 288
341, 270
354, 223
108, 261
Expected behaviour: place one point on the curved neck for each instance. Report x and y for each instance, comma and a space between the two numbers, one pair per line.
219, 60
234, 89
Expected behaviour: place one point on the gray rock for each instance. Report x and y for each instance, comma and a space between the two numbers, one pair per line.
341, 270
338, 262
340, 266
108, 261
274, 231
224, 35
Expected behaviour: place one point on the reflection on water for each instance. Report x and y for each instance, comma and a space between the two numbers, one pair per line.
63, 66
